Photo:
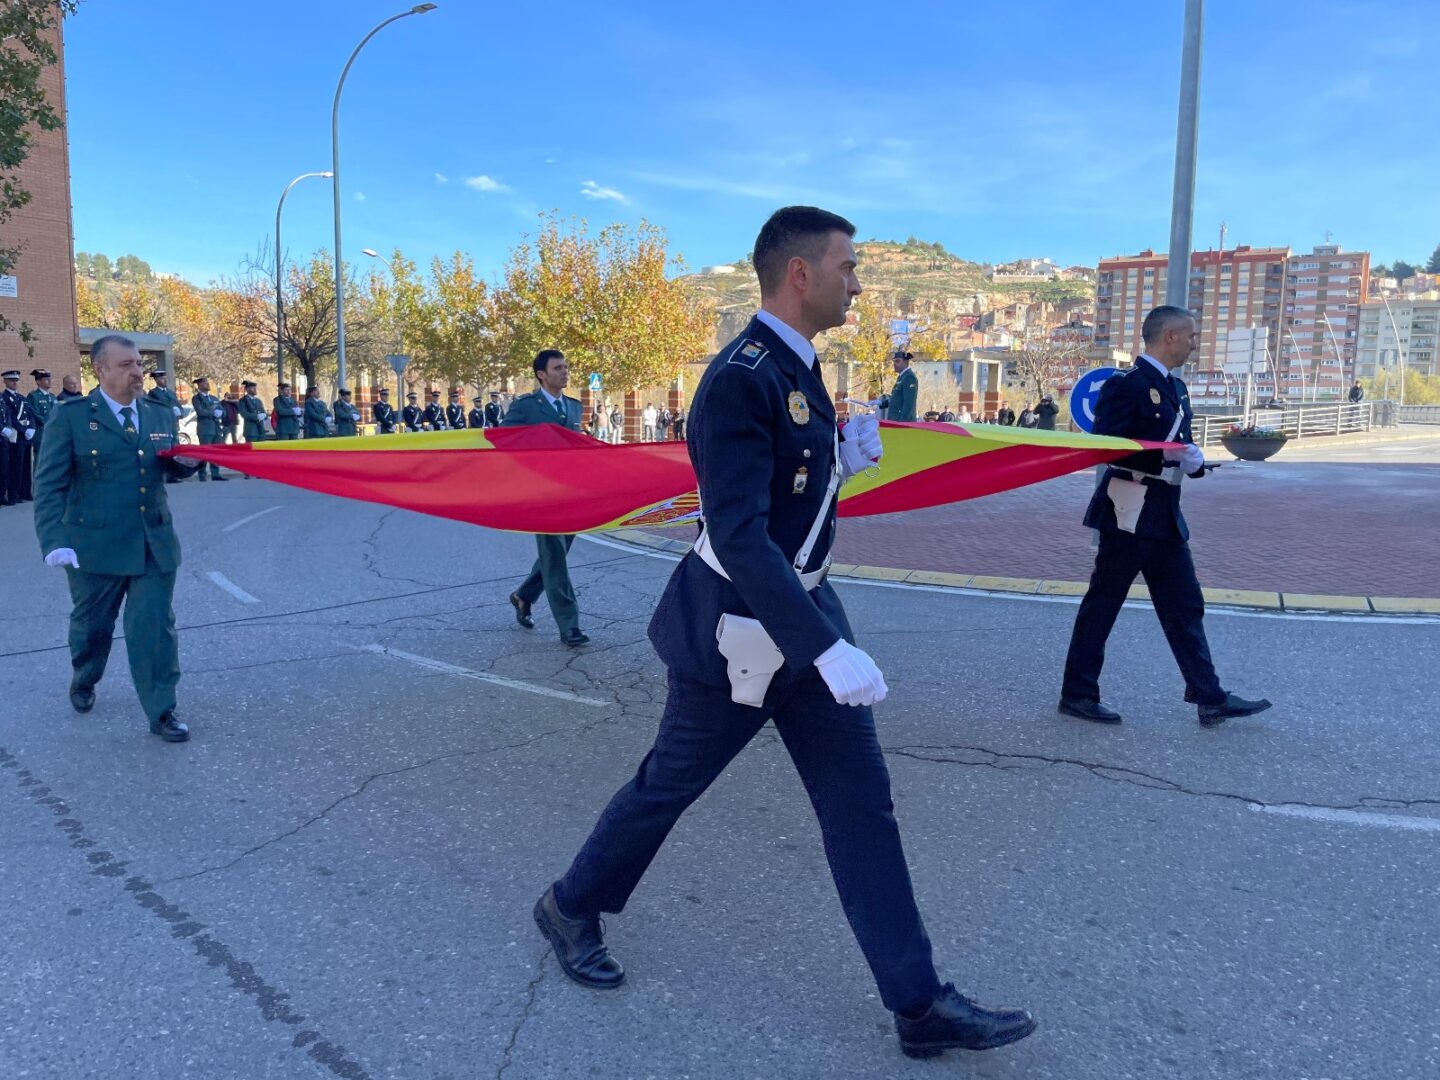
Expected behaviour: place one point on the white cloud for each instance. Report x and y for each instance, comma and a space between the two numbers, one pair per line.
441, 178
591, 190
359, 196
485, 183
1357, 89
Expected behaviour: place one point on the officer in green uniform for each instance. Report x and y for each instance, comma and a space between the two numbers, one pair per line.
100, 513
42, 402
317, 416
346, 415
209, 414
252, 412
899, 404
287, 414
550, 575
161, 393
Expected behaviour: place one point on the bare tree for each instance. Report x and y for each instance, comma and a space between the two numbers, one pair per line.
1045, 359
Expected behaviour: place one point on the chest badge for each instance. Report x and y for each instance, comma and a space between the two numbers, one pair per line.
94, 426
1155, 395
799, 408
802, 477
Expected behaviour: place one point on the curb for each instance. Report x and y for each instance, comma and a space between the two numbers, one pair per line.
1259, 600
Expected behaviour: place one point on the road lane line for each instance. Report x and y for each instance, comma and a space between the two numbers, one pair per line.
1352, 817
229, 586
479, 676
246, 520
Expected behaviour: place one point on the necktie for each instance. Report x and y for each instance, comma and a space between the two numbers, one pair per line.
560, 409
128, 414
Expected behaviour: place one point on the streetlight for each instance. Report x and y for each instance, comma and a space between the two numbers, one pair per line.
418, 9
394, 277
279, 260
1187, 139
399, 360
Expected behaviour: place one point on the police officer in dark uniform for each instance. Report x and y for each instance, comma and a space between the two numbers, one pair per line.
411, 414
477, 416
384, 413
14, 445
433, 418
1136, 509
455, 411
494, 412
764, 441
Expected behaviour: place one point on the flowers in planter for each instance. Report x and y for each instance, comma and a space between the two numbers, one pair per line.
1252, 431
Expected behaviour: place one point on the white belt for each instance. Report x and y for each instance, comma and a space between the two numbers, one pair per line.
808, 579
1170, 474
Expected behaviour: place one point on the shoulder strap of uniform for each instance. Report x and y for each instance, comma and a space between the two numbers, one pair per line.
747, 352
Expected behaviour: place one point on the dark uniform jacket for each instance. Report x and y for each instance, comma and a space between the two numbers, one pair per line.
207, 424
346, 417
434, 415
493, 414
1141, 403
252, 411
1045, 414
384, 414
21, 417
535, 408
317, 419
411, 415
286, 422
477, 417
102, 492
902, 400
759, 417
163, 395
42, 402
455, 416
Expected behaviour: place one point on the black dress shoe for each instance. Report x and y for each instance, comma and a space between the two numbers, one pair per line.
574, 637
1088, 710
1231, 707
954, 1022
169, 728
203, 478
522, 611
219, 477
579, 945
82, 698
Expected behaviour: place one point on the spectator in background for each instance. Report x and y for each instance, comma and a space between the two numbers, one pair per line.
1005, 415
965, 415
662, 425
1357, 393
230, 422
69, 388
617, 424
1045, 413
1027, 417
648, 417
677, 427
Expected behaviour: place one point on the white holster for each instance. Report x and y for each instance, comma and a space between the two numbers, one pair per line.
751, 655
1126, 488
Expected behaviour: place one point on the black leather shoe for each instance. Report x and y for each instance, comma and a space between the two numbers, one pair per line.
1088, 710
1231, 707
82, 698
954, 1022
221, 478
579, 945
574, 637
522, 611
169, 728
203, 478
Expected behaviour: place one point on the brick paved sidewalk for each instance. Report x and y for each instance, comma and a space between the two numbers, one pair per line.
1365, 529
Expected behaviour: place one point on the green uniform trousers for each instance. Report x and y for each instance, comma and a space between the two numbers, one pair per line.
150, 637
210, 440
551, 575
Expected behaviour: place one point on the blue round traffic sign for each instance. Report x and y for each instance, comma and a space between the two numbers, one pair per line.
1086, 394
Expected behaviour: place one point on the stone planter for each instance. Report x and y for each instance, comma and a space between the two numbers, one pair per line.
1250, 448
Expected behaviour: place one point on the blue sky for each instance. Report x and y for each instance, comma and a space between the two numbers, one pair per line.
1034, 129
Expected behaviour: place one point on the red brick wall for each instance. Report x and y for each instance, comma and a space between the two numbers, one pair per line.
45, 272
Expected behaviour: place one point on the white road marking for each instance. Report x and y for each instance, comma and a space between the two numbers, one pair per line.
1352, 817
480, 676
246, 520
1239, 613
229, 586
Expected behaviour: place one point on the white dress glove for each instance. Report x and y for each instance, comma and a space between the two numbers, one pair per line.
861, 446
9, 434
1190, 458
298, 411
851, 675
29, 433
218, 413
63, 557
179, 412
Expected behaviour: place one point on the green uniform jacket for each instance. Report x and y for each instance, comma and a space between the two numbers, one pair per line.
287, 424
102, 493
42, 403
163, 395
346, 417
252, 411
207, 424
904, 397
533, 408
317, 419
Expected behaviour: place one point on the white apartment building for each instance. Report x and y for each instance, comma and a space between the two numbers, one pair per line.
1411, 338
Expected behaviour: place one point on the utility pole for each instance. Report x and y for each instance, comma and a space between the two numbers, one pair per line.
1187, 139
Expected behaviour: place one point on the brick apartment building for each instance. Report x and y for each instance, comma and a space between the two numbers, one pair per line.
1323, 294
42, 289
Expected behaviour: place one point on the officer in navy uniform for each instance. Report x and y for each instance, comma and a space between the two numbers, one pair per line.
384, 413
411, 413
477, 416
434, 415
455, 411
20, 422
1136, 509
763, 440
494, 411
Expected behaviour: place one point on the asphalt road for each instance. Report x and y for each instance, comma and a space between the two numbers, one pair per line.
334, 877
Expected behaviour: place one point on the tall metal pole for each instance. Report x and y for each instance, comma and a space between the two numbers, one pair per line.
1187, 139
1399, 353
418, 9
279, 262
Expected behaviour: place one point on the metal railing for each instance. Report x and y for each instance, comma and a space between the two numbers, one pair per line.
1299, 422
1416, 414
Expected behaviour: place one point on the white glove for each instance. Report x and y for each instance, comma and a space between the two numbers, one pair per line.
63, 557
863, 431
1189, 457
29, 433
218, 413
9, 434
851, 675
177, 411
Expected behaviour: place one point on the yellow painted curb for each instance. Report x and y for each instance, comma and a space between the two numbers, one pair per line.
938, 577
879, 573
1005, 584
1138, 592
1323, 602
1063, 588
1242, 598
1405, 605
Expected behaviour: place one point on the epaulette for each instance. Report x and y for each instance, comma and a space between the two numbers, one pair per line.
748, 354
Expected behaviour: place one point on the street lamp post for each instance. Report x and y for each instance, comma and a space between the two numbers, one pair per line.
399, 325
1187, 138
418, 9
279, 262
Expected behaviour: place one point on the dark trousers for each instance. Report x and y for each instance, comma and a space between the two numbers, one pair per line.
29, 455
11, 459
230, 435
150, 637
551, 575
1169, 573
207, 439
838, 757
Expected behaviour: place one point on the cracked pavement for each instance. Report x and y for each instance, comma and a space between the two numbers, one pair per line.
335, 877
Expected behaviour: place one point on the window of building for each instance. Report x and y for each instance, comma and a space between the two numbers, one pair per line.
1149, 273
